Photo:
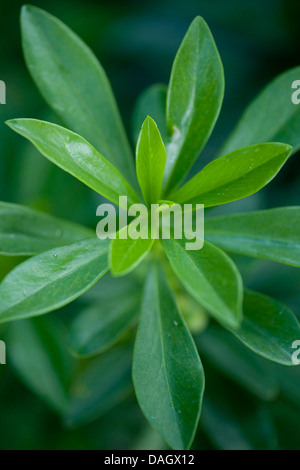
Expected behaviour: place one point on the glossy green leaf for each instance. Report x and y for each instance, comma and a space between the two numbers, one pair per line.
75, 155
25, 231
99, 386
150, 161
151, 102
101, 325
194, 100
272, 234
269, 328
167, 371
40, 357
211, 277
236, 361
234, 176
52, 279
272, 116
126, 253
74, 84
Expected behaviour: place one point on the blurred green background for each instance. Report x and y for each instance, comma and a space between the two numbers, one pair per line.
50, 400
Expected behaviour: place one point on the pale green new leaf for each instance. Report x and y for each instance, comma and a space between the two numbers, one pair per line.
74, 84
194, 100
167, 371
75, 155
234, 176
272, 116
269, 328
272, 234
150, 161
101, 325
126, 253
25, 231
52, 279
211, 277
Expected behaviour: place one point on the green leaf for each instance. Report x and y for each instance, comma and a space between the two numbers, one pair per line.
41, 360
236, 361
269, 328
150, 161
52, 279
194, 100
211, 277
232, 421
75, 155
151, 102
272, 234
101, 325
25, 231
74, 84
167, 371
234, 176
99, 386
270, 117
127, 253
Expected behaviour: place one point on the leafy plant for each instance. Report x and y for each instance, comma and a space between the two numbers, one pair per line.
65, 260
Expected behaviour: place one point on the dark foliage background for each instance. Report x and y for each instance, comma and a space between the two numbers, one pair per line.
136, 43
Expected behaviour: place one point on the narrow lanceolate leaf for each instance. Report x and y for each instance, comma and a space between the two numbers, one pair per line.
211, 277
167, 371
151, 102
25, 231
126, 253
194, 100
75, 155
150, 161
74, 84
101, 325
234, 176
272, 116
272, 234
52, 279
40, 351
269, 328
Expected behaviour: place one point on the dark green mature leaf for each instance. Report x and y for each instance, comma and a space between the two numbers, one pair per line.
271, 234
269, 328
234, 176
52, 279
126, 253
211, 277
150, 161
101, 325
74, 84
102, 383
236, 361
270, 117
75, 155
25, 231
151, 102
194, 100
167, 371
41, 359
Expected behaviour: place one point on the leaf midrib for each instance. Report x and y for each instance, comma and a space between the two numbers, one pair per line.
164, 361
